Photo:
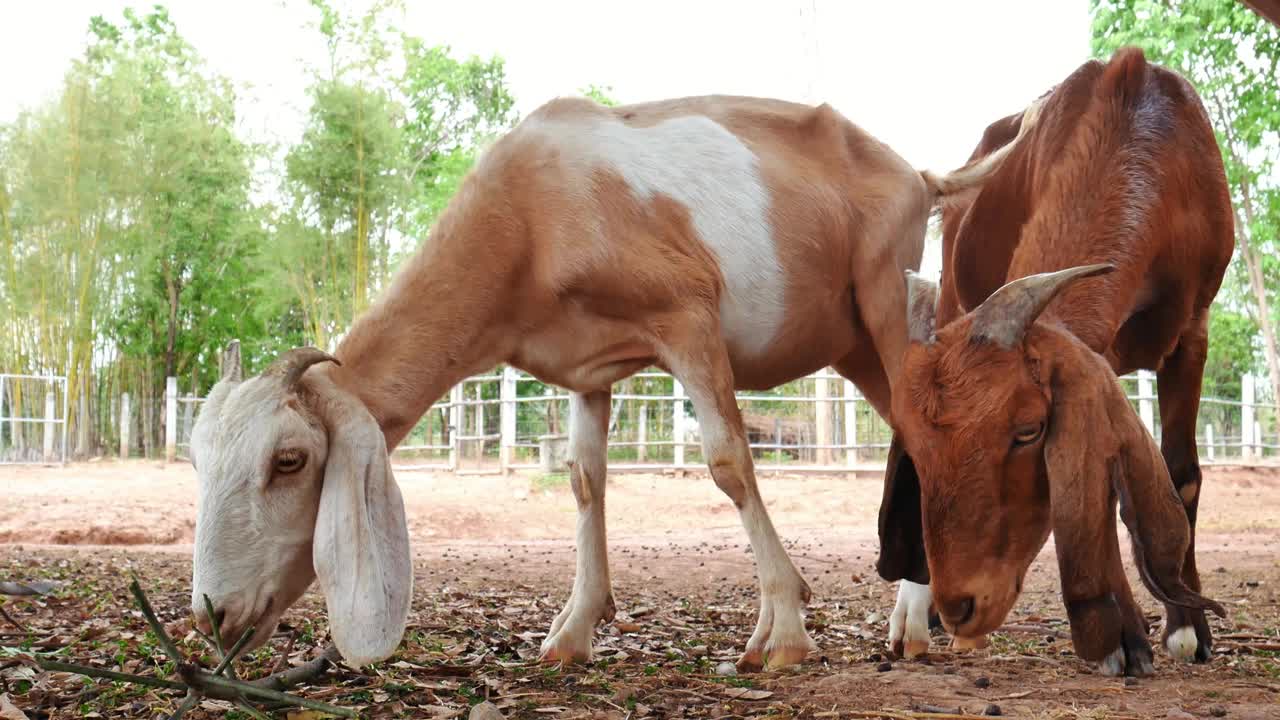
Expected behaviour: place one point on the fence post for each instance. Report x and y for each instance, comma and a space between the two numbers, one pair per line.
822, 418
2, 416
1208, 440
642, 432
170, 418
124, 426
1246, 420
507, 418
1146, 394
455, 423
677, 421
1258, 449
850, 424
50, 418
479, 415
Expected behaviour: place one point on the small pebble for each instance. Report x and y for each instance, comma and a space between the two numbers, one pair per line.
1130, 681
982, 682
884, 667
873, 618
992, 709
948, 670
875, 657
1217, 711
485, 711
726, 668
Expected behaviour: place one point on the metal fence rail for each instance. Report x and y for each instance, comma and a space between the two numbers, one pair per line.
33, 419
508, 420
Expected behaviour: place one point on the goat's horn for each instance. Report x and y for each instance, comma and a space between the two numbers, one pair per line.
290, 366
922, 309
1005, 316
231, 368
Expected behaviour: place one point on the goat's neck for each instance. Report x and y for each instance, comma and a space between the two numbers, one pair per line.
435, 325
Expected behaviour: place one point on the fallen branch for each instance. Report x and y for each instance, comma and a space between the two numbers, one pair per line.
221, 683
17, 589
1253, 646
1034, 629
15, 623
905, 715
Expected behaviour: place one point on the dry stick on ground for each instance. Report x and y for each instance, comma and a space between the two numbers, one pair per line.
12, 622
199, 682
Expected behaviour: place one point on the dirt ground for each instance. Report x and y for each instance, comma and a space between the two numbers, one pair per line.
494, 563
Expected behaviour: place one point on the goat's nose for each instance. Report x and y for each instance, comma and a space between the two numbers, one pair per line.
956, 611
204, 623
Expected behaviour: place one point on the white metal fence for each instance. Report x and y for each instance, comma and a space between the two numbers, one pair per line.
33, 419
508, 420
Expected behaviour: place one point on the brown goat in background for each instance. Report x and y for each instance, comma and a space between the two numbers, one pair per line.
1009, 420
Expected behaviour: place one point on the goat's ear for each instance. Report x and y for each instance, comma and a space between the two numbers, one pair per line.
1096, 452
902, 554
361, 545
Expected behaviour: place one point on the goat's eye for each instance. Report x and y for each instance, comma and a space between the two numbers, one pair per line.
1027, 434
290, 461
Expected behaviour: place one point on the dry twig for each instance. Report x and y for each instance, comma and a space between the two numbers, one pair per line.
219, 684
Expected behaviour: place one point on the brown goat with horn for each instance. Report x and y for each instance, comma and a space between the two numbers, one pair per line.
1095, 250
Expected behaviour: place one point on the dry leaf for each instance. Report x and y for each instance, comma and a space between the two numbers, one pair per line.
8, 711
627, 627
741, 693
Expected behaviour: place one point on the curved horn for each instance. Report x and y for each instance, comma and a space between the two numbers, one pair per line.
231, 368
293, 363
1004, 317
922, 309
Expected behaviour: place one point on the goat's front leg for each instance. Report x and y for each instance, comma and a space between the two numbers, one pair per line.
779, 638
591, 601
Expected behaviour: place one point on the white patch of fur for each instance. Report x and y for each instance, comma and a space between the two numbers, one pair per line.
699, 163
1113, 664
1182, 643
909, 622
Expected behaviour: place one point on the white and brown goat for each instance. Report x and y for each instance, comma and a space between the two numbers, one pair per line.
734, 242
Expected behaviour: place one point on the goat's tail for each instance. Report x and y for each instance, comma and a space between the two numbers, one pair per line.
974, 174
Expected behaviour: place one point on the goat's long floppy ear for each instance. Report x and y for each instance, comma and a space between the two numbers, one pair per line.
1097, 446
361, 546
902, 554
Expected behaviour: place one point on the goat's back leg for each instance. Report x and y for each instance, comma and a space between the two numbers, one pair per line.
909, 622
591, 600
1186, 631
699, 359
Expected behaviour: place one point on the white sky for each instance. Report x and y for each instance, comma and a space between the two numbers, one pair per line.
925, 76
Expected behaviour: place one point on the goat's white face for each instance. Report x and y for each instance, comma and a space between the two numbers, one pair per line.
295, 484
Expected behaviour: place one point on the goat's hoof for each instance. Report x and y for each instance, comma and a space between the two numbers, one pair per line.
1133, 659
752, 661
1184, 645
787, 655
909, 649
964, 644
1191, 642
559, 649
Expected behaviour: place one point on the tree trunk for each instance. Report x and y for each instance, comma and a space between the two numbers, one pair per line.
1253, 265
171, 343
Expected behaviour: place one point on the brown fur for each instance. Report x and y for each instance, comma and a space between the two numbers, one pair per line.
1120, 168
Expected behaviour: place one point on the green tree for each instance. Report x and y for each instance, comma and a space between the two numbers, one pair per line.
1231, 55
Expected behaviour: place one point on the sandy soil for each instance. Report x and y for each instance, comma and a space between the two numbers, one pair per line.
679, 554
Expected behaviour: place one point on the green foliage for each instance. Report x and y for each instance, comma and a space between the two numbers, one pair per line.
601, 94
133, 239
